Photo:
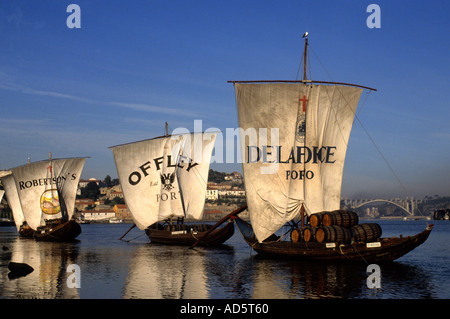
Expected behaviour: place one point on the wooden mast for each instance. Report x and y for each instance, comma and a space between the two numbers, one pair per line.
305, 53
305, 61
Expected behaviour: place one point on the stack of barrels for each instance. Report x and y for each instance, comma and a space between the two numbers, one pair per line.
340, 226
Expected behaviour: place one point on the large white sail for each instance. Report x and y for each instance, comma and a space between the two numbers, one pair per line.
13, 197
165, 176
300, 160
47, 189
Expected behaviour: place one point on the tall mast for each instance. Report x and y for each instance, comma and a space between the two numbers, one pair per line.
305, 53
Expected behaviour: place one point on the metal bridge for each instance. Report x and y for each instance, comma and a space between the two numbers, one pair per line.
407, 205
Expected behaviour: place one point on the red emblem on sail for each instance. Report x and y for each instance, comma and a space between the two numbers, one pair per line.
304, 100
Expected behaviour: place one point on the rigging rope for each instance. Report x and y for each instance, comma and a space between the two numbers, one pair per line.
366, 131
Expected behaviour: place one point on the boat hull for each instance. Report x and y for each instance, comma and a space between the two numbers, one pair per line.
384, 250
26, 231
188, 238
62, 231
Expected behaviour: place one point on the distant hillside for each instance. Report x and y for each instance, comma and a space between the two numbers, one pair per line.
215, 176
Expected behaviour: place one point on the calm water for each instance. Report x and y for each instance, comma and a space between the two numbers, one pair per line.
114, 269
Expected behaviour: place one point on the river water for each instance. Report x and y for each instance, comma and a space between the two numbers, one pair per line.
108, 268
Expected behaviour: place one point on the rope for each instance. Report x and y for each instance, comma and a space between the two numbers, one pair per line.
299, 67
359, 254
135, 238
340, 249
367, 132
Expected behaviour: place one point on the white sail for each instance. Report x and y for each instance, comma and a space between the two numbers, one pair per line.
303, 163
165, 176
13, 198
47, 189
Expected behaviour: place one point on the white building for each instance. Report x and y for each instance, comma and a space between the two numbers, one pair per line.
100, 215
212, 194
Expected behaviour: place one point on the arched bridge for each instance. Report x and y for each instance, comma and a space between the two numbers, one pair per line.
407, 205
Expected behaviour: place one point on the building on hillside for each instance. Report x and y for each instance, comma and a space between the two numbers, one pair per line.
235, 177
113, 195
122, 212
97, 215
83, 182
232, 192
82, 203
212, 194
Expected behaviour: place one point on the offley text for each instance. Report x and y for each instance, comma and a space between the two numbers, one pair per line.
183, 162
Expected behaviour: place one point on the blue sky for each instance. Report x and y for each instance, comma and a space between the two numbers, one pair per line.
135, 64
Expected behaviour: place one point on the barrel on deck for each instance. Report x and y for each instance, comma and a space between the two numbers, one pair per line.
366, 232
336, 233
344, 218
313, 234
297, 235
315, 220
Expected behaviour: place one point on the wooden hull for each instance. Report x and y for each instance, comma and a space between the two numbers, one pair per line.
26, 232
187, 238
384, 250
61, 231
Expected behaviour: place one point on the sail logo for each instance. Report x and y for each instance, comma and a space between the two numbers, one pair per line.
167, 181
301, 122
183, 162
301, 128
50, 202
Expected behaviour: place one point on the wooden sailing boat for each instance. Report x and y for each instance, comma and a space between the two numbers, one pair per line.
297, 169
44, 194
12, 197
4, 221
164, 179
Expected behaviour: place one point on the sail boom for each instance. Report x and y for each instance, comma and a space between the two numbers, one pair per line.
305, 82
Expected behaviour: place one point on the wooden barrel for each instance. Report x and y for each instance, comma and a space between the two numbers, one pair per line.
313, 234
296, 235
338, 234
344, 218
315, 220
309, 233
366, 232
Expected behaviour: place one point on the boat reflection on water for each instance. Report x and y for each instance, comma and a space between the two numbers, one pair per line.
166, 272
113, 269
338, 280
204, 273
49, 261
